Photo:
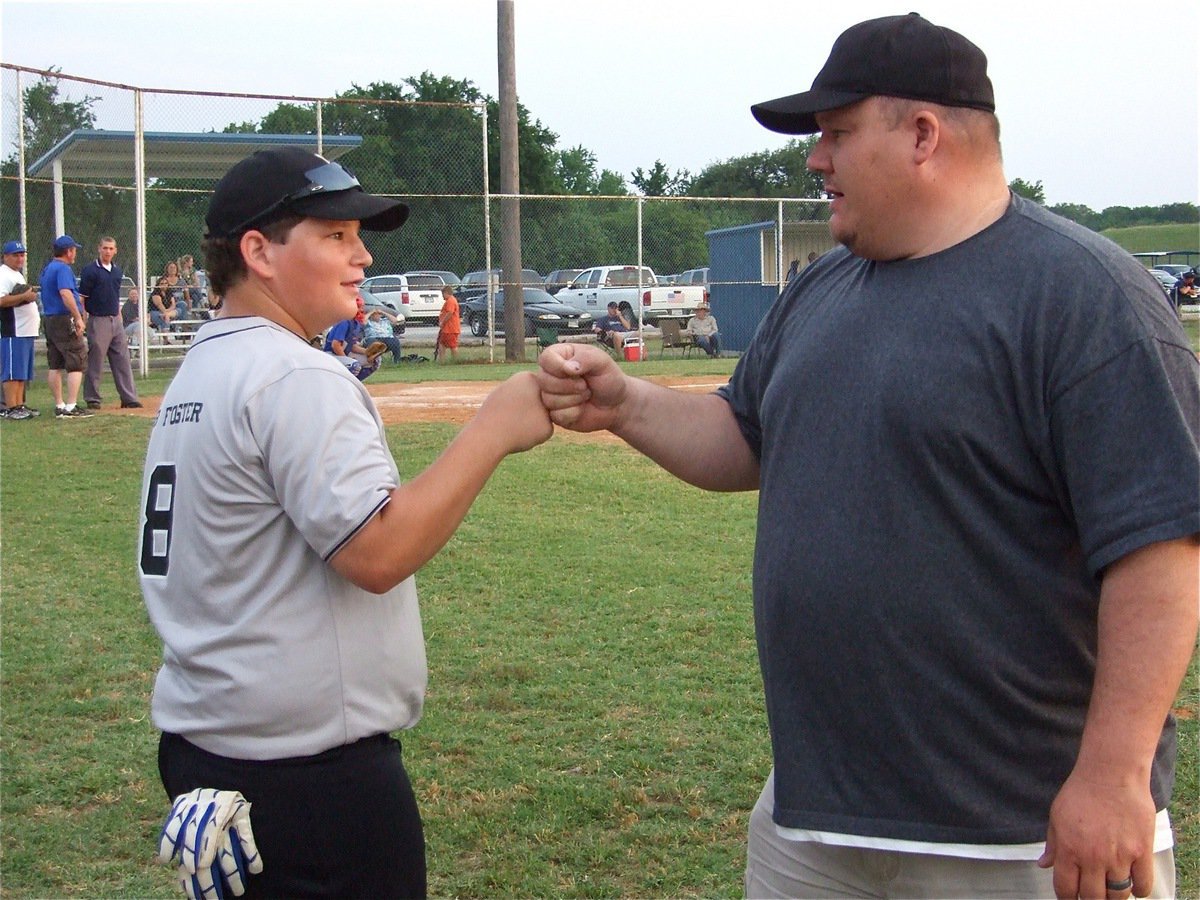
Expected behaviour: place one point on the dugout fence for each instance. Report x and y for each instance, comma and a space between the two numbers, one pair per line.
93, 158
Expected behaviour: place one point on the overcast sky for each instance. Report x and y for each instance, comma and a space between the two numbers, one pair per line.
1097, 100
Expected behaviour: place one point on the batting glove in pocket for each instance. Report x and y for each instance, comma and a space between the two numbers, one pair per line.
208, 835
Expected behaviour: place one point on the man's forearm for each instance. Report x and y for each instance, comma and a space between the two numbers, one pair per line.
1147, 634
694, 437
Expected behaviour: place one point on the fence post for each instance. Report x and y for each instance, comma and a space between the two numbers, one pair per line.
638, 299
24, 228
139, 224
779, 247
487, 237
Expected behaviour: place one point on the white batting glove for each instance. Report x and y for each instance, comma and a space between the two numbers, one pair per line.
208, 834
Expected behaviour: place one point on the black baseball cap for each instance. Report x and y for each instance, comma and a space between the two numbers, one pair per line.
284, 181
896, 56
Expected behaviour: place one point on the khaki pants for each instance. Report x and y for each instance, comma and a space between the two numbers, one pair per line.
778, 867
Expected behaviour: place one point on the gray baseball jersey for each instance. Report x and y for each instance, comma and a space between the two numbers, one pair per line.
267, 456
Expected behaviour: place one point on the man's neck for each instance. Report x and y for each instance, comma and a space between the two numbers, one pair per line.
961, 215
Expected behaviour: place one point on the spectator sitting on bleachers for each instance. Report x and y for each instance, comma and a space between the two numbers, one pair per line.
1185, 289
380, 326
168, 301
131, 311
612, 328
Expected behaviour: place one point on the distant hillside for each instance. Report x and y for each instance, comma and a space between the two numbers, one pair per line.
1149, 238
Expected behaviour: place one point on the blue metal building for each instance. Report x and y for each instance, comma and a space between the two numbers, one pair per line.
744, 276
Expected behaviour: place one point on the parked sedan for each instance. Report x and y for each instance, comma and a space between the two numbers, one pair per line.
475, 284
1166, 279
1173, 268
541, 309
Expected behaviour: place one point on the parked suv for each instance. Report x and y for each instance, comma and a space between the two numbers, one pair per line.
447, 277
418, 297
559, 279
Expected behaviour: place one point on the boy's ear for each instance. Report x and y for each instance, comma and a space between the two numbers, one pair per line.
255, 251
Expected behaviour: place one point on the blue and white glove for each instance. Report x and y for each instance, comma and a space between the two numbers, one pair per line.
208, 835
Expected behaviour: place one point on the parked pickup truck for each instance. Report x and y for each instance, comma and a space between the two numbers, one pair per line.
593, 289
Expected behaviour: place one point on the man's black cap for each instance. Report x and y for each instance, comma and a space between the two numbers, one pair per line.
284, 181
896, 56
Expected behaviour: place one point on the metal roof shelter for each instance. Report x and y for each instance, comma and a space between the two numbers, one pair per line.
116, 157
95, 155
1155, 257
111, 156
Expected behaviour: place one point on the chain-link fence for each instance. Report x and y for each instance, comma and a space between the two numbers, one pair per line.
95, 159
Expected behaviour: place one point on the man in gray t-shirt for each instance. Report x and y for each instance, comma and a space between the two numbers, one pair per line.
978, 509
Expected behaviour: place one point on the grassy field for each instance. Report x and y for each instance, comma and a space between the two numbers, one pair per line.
1152, 238
591, 730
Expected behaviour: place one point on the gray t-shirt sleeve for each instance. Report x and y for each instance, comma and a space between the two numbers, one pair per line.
330, 480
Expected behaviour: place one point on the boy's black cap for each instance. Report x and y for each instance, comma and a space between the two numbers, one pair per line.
283, 181
896, 56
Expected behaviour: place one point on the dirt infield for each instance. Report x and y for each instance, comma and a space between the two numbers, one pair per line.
456, 401
450, 401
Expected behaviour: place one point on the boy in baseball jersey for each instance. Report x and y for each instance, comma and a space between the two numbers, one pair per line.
278, 545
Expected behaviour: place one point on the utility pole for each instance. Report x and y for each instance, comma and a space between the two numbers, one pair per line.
510, 185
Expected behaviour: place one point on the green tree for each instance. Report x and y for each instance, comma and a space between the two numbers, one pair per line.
659, 182
611, 184
770, 173
576, 169
89, 211
1023, 188
49, 117
1181, 213
1079, 213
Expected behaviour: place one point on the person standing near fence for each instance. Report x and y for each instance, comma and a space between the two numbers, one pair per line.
278, 545
449, 325
66, 347
973, 428
19, 320
100, 288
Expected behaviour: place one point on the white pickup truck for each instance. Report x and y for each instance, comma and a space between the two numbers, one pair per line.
593, 289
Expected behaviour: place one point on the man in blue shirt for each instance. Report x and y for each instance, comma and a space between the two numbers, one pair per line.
66, 350
100, 287
612, 327
1185, 289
